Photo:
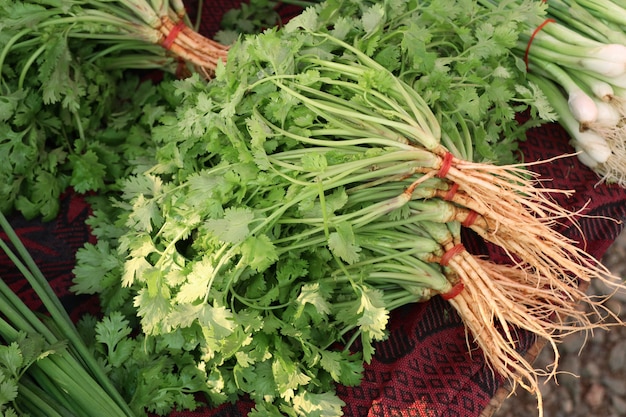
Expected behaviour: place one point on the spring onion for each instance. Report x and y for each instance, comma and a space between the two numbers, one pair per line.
581, 47
44, 360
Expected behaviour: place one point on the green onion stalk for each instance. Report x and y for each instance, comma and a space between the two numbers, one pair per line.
321, 192
56, 375
580, 47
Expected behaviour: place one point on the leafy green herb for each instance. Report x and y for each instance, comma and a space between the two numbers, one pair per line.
68, 105
266, 246
45, 367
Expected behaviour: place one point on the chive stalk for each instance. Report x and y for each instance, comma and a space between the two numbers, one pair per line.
84, 386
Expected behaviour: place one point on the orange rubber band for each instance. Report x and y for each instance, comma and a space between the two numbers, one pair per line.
451, 192
445, 259
470, 219
532, 37
445, 165
171, 37
456, 290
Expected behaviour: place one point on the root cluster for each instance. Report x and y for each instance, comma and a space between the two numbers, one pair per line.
192, 47
538, 291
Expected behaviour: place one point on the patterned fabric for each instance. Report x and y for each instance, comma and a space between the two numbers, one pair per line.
425, 368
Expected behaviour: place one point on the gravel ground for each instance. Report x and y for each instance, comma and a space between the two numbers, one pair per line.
596, 386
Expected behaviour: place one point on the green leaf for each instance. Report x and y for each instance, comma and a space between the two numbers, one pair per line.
314, 162
311, 294
134, 268
145, 215
11, 358
343, 244
374, 315
372, 18
415, 41
327, 404
259, 252
219, 321
307, 20
152, 309
8, 393
288, 377
197, 282
234, 226
87, 172
113, 331
331, 363
93, 262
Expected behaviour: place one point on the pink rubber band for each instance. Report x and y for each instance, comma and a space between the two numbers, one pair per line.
456, 290
445, 165
470, 219
532, 38
445, 259
171, 37
451, 192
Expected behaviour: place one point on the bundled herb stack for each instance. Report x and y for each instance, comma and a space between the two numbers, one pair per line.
321, 181
65, 69
265, 223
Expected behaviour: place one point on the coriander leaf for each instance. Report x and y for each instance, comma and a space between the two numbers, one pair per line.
134, 269
8, 393
259, 252
152, 309
311, 294
331, 363
182, 315
314, 162
218, 321
146, 214
307, 20
234, 226
343, 244
197, 282
113, 331
11, 358
309, 404
93, 262
374, 315
372, 18
265, 409
288, 377
87, 172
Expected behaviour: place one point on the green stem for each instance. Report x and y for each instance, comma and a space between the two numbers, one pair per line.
39, 403
52, 303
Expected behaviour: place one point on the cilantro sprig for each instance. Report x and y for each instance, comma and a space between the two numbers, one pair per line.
268, 248
292, 204
69, 99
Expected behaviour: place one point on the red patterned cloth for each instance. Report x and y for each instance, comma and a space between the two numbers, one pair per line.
424, 369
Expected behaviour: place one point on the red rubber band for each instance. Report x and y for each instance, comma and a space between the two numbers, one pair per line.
445, 259
454, 291
171, 37
532, 37
451, 192
445, 165
470, 219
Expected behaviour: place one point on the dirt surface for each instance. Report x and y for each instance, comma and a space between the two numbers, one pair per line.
593, 379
